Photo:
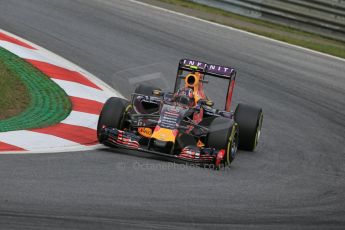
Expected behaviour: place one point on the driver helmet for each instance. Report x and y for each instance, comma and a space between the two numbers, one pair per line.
185, 96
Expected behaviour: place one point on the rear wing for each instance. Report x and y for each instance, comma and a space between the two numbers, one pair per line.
207, 69
219, 71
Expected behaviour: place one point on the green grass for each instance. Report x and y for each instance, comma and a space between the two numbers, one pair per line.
11, 90
264, 28
29, 99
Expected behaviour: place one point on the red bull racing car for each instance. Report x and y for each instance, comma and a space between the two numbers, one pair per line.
182, 124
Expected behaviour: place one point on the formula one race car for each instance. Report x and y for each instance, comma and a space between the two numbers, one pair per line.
182, 124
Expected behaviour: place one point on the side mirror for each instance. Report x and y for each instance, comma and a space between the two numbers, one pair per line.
206, 102
209, 103
157, 92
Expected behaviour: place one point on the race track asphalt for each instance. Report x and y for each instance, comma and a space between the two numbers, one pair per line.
295, 179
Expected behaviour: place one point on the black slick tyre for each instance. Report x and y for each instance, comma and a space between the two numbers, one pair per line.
223, 134
112, 115
249, 120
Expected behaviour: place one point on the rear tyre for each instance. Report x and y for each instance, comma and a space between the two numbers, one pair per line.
112, 115
145, 89
249, 120
223, 134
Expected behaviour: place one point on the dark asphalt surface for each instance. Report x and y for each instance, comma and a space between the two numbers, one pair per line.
295, 179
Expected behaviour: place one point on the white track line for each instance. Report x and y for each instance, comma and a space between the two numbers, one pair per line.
32, 141
238, 30
60, 149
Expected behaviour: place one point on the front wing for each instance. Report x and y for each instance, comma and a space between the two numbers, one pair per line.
127, 140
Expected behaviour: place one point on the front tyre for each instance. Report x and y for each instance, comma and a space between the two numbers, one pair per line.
223, 135
249, 120
112, 115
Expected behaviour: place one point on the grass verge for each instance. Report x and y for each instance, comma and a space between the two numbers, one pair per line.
30, 99
11, 90
257, 26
